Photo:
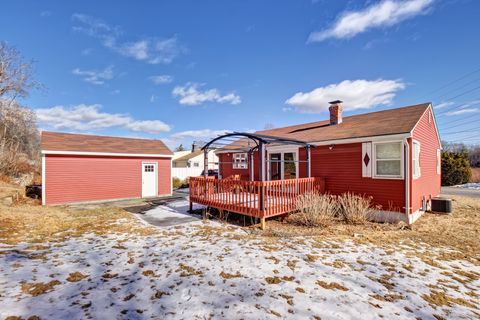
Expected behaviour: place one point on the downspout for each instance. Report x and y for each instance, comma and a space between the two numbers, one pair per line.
407, 177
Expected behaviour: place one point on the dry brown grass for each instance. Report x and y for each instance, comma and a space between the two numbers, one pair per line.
30, 222
76, 276
475, 175
459, 231
331, 285
38, 288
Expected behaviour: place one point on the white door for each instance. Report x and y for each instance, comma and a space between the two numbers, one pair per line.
149, 180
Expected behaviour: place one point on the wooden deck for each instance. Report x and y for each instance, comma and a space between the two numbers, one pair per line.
260, 199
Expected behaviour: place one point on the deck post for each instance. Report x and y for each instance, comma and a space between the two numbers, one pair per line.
262, 223
205, 162
252, 169
205, 170
261, 167
308, 165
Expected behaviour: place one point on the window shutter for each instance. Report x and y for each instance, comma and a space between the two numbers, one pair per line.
367, 160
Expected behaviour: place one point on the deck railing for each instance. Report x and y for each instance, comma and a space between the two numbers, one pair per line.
254, 198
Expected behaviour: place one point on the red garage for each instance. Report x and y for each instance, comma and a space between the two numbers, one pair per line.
82, 168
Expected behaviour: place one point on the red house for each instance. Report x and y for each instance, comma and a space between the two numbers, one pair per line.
82, 168
391, 155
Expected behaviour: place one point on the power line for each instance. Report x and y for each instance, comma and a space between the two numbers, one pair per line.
459, 95
461, 124
454, 81
450, 109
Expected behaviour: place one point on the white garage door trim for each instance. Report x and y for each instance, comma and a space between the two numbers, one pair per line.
149, 179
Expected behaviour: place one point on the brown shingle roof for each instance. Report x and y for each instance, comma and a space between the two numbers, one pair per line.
386, 122
58, 141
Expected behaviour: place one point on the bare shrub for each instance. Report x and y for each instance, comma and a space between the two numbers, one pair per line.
315, 210
355, 209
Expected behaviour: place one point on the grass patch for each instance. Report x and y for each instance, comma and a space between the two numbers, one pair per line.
226, 275
76, 276
440, 299
331, 285
39, 288
31, 222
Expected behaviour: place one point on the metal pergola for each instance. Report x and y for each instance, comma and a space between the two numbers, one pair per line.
249, 143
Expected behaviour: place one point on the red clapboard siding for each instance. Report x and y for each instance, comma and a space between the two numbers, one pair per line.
226, 167
342, 169
429, 183
70, 179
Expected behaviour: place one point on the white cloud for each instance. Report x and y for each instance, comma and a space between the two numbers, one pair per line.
205, 133
86, 51
462, 111
95, 76
45, 13
190, 94
148, 49
89, 117
356, 94
443, 105
161, 79
383, 14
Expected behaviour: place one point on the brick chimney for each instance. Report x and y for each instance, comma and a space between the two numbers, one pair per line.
335, 109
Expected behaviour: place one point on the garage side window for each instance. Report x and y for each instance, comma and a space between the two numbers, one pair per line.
388, 160
240, 161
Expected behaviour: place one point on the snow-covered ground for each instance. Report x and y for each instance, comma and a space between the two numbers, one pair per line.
207, 270
472, 186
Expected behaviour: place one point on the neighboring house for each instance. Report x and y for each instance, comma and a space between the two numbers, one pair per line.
82, 168
194, 158
179, 154
392, 155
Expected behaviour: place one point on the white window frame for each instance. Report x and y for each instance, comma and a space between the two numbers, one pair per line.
240, 164
439, 161
282, 152
416, 166
374, 164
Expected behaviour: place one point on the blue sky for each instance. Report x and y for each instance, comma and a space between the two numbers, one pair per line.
188, 70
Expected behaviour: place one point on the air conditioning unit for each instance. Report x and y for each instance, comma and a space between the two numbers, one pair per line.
442, 205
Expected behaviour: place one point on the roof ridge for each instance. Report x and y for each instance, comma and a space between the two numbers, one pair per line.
426, 104
101, 136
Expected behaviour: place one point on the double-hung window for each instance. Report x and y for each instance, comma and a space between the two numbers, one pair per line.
240, 161
416, 160
388, 160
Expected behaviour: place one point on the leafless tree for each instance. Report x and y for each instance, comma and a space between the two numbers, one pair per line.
19, 136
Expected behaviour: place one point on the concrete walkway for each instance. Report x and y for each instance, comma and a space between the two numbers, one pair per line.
170, 213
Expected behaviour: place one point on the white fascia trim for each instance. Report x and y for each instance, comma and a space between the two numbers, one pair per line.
283, 148
384, 138
43, 180
112, 154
